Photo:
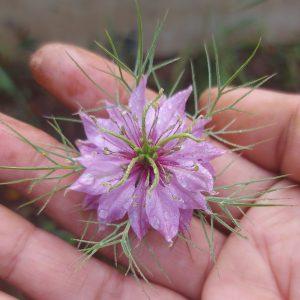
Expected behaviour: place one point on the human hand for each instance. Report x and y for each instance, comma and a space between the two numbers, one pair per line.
265, 266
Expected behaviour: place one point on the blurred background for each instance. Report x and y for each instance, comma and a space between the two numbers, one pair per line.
236, 24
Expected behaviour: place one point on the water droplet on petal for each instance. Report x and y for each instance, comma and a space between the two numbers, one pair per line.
103, 213
88, 178
155, 222
166, 215
180, 200
127, 205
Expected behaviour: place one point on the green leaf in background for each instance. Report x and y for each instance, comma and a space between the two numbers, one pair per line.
6, 83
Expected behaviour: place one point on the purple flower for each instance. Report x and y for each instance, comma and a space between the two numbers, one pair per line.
147, 161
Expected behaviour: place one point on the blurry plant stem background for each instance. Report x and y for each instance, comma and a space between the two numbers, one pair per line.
236, 26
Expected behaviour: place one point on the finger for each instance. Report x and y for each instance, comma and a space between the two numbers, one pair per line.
278, 113
44, 267
4, 296
60, 69
271, 270
65, 209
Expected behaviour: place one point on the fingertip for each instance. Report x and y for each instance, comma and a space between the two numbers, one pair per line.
61, 69
39, 57
50, 67
47, 59
209, 93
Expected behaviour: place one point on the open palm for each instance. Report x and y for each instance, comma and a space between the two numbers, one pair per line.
264, 266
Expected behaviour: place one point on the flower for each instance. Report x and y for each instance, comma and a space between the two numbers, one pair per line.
147, 161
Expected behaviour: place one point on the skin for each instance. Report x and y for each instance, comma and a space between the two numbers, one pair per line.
263, 266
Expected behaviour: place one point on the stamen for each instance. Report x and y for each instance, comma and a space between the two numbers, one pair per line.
145, 114
126, 174
134, 126
196, 167
156, 174
106, 151
170, 128
184, 135
167, 175
122, 130
121, 137
155, 121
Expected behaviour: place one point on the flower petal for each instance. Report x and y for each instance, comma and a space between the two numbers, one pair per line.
90, 202
100, 139
93, 183
163, 213
137, 100
101, 170
137, 212
102, 163
172, 110
114, 205
116, 125
195, 179
151, 120
86, 147
125, 123
176, 103
185, 219
186, 199
207, 151
208, 166
191, 150
199, 125
91, 130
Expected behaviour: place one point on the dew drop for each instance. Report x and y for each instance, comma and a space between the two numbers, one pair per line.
155, 222
103, 213
183, 183
127, 205
88, 178
166, 215
180, 200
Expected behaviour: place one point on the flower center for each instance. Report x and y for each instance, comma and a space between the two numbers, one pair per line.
147, 152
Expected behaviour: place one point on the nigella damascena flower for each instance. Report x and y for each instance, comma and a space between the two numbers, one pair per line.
147, 161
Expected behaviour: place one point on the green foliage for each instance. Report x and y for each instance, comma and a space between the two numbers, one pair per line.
6, 84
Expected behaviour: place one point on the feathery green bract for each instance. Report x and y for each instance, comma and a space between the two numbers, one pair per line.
176, 83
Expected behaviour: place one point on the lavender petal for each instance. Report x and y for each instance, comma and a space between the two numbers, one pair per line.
163, 213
